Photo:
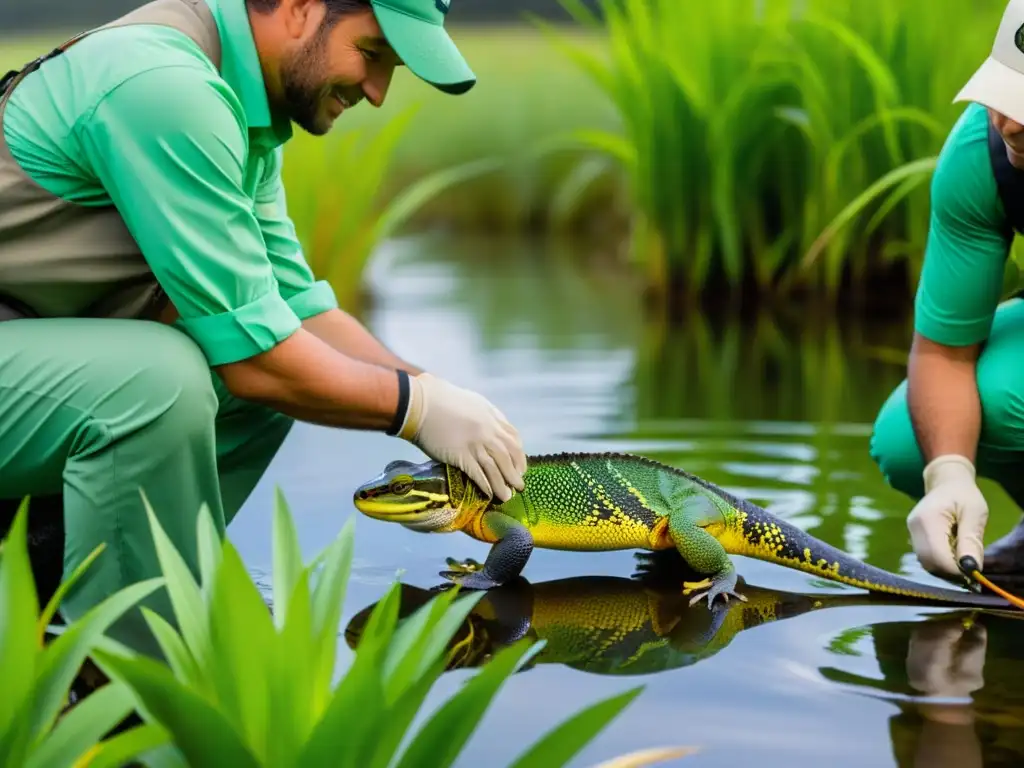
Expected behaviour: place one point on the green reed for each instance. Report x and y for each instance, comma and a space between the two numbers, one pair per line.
781, 146
37, 730
753, 127
335, 198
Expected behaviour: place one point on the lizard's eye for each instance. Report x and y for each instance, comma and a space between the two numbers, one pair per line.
401, 486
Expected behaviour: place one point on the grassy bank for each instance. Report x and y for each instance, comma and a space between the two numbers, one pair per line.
741, 148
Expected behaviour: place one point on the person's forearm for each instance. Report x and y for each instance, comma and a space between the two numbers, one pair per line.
350, 337
308, 380
942, 395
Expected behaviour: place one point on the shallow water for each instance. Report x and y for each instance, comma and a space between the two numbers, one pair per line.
778, 414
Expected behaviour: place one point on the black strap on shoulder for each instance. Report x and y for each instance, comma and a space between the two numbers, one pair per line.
1009, 180
7, 79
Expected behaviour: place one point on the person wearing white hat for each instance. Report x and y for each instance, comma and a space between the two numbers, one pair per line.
959, 415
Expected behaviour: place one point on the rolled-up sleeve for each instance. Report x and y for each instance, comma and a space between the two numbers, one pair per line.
965, 255
305, 295
169, 145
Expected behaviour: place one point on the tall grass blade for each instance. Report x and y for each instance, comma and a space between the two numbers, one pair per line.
559, 745
441, 739
79, 732
208, 540
423, 637
328, 603
205, 736
173, 647
62, 589
18, 609
293, 678
61, 660
148, 744
242, 642
185, 595
401, 714
287, 558
358, 707
847, 214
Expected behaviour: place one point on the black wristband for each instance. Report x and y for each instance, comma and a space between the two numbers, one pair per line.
403, 403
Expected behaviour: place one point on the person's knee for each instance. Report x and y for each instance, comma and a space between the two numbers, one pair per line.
893, 445
181, 379
1000, 380
168, 398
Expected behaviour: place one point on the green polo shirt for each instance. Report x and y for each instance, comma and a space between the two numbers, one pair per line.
965, 258
138, 116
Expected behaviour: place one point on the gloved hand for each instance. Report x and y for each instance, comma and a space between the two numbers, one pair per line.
462, 428
951, 496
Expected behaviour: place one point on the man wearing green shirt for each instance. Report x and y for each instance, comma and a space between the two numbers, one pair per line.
167, 330
960, 413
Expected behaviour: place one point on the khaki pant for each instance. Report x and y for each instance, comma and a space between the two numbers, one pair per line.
92, 410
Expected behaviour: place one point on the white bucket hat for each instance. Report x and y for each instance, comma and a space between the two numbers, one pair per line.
999, 82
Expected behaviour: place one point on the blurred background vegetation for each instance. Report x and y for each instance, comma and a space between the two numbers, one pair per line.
755, 171
760, 150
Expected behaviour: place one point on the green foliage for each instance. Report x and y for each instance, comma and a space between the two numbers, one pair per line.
757, 131
525, 95
783, 144
334, 188
37, 676
245, 686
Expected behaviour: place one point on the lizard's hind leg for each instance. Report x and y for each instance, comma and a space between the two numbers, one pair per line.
690, 513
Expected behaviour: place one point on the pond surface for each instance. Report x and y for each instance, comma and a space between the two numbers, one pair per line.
778, 413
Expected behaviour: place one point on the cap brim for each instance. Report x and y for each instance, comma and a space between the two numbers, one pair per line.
427, 50
998, 87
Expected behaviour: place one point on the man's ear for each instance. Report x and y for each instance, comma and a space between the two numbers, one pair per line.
301, 18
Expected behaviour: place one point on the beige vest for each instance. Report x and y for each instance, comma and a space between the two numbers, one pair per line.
63, 259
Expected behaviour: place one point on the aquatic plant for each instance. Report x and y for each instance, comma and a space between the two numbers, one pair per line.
37, 675
775, 148
755, 131
334, 186
245, 685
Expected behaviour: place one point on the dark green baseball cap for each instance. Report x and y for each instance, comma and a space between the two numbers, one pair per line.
415, 29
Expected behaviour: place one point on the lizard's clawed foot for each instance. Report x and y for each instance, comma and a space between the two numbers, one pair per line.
723, 586
469, 565
470, 580
690, 586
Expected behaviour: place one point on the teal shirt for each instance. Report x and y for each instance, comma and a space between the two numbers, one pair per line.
138, 116
965, 258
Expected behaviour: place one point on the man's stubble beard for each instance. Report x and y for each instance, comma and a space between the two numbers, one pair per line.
303, 93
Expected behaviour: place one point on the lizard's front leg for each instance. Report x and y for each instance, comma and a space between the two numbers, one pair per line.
690, 512
506, 559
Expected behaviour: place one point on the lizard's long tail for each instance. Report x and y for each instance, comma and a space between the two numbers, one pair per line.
759, 534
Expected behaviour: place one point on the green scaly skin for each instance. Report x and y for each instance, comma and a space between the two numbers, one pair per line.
615, 501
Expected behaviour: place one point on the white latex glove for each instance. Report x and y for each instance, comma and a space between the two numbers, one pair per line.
951, 496
462, 428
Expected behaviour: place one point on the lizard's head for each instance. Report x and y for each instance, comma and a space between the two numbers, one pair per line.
430, 496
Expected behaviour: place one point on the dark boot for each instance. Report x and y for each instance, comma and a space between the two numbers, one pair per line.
1006, 555
1004, 560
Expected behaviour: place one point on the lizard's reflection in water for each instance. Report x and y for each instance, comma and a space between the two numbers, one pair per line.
643, 625
613, 625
